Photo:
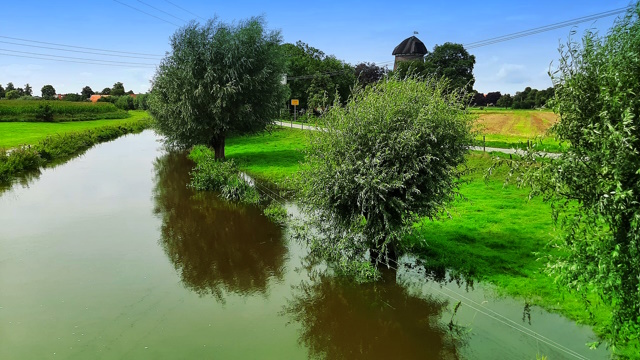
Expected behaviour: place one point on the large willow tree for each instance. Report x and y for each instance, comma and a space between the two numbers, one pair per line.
595, 184
390, 156
218, 79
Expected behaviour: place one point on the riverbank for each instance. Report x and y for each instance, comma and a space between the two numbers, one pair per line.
495, 234
46, 148
13, 134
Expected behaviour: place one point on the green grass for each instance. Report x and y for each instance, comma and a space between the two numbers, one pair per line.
548, 144
271, 156
26, 110
507, 128
14, 134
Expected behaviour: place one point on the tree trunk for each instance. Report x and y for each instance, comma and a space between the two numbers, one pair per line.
217, 143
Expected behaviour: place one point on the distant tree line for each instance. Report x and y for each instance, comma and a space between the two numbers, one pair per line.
48, 92
527, 99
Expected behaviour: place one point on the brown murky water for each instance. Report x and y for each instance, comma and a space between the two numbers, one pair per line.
111, 256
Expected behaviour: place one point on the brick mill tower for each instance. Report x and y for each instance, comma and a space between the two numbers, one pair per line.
410, 49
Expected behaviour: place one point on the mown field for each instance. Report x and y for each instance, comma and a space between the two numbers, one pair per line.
14, 134
34, 110
495, 233
507, 128
504, 128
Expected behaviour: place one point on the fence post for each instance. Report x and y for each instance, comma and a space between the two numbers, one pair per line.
484, 143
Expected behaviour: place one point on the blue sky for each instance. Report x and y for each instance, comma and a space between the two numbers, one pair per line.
353, 31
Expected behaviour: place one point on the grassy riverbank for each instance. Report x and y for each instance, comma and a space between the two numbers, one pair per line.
495, 233
60, 146
14, 134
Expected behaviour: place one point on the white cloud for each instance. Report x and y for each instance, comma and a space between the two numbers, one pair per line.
513, 74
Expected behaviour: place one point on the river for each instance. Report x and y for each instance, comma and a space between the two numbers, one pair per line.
111, 256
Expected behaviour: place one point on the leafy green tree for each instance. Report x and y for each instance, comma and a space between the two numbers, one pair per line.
218, 79
369, 73
453, 62
505, 101
125, 103
72, 97
106, 91
87, 92
117, 89
387, 158
48, 92
595, 184
493, 97
478, 99
10, 87
2, 92
313, 74
28, 90
12, 94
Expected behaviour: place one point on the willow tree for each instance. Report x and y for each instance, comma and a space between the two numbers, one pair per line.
595, 183
218, 79
386, 159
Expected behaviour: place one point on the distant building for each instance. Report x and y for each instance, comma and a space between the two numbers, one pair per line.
410, 49
94, 98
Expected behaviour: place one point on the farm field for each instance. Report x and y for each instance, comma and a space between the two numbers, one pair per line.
14, 134
506, 128
32, 110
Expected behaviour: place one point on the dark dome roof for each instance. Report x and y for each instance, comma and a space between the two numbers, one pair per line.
410, 46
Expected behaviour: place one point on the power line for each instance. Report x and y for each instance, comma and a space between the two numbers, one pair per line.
72, 61
79, 47
183, 9
146, 13
162, 11
510, 323
75, 58
545, 28
77, 51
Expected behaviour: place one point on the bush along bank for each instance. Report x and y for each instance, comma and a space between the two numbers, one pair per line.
58, 147
221, 176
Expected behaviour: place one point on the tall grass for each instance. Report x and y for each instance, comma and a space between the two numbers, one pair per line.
20, 110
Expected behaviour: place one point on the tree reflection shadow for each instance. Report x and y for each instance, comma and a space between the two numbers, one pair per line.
382, 320
215, 246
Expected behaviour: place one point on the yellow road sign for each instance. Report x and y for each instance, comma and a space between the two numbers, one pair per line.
295, 102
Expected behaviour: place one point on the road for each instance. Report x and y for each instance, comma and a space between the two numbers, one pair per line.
475, 148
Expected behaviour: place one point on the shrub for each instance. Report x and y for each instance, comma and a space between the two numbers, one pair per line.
12, 95
221, 176
125, 103
44, 113
276, 213
390, 156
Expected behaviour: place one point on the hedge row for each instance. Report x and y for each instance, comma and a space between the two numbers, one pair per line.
43, 110
57, 147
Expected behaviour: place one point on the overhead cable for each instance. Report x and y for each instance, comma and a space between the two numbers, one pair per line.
80, 47
146, 13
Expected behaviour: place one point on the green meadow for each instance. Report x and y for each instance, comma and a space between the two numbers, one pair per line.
14, 134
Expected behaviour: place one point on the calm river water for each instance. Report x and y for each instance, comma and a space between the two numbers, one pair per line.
111, 256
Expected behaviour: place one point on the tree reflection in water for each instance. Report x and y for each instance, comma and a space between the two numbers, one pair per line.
382, 320
216, 246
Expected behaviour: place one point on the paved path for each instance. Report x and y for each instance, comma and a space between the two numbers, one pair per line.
476, 148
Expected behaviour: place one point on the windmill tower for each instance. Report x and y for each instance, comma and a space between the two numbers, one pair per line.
410, 49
